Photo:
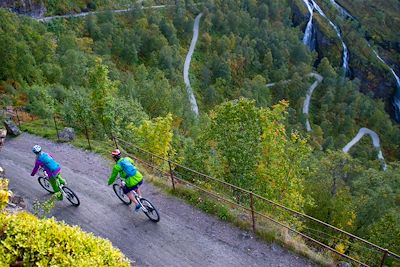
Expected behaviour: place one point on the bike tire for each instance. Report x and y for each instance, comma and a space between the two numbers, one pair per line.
151, 212
120, 194
71, 196
45, 183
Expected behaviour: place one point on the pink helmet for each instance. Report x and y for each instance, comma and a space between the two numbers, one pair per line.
116, 153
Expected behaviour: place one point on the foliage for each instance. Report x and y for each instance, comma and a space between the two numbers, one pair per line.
29, 241
281, 172
4, 193
102, 92
154, 136
238, 123
43, 209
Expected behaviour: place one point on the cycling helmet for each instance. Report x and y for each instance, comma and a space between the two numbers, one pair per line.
36, 149
116, 154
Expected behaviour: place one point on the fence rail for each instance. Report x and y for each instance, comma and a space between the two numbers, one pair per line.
178, 176
177, 172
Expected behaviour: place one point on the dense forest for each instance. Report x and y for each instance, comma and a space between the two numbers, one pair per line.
121, 74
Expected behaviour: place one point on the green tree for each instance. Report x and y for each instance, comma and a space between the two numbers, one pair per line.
280, 170
235, 129
103, 92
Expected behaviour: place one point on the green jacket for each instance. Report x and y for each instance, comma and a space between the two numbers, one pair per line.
129, 181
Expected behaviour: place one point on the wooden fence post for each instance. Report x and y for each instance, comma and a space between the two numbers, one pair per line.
115, 141
384, 258
87, 137
19, 122
55, 124
171, 174
253, 218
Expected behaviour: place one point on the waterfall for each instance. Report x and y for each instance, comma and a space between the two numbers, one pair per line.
396, 97
307, 39
343, 12
345, 50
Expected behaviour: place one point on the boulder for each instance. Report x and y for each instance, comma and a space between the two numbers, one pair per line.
68, 134
3, 134
12, 128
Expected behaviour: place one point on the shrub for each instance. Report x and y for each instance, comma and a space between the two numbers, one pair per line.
4, 193
28, 241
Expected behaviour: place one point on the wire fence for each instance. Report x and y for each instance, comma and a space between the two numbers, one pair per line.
260, 214
263, 213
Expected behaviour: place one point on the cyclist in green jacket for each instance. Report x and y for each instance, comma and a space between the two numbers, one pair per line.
126, 169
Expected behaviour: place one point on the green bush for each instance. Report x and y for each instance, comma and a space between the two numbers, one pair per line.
29, 241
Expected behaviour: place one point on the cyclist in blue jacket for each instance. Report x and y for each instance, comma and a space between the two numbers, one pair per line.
51, 167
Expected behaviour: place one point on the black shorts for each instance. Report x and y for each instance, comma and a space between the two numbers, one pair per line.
129, 189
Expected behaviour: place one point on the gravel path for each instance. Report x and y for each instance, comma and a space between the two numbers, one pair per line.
183, 237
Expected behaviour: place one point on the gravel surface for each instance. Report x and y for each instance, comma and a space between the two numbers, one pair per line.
183, 237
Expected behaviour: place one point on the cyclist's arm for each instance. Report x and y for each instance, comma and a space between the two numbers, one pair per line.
36, 168
117, 168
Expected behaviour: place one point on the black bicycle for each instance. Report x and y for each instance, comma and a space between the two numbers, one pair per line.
145, 205
43, 180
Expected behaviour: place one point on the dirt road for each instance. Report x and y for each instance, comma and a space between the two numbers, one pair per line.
183, 237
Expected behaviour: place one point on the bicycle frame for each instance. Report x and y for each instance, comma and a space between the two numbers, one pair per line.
61, 186
121, 183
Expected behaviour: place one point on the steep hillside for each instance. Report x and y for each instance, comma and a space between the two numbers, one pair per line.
251, 74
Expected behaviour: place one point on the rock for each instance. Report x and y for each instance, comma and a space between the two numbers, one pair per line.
344, 264
34, 9
12, 128
3, 134
68, 134
1, 172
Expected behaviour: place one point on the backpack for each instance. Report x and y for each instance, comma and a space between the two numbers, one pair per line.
128, 167
49, 162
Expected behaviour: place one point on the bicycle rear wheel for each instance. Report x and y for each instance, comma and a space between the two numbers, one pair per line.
45, 183
71, 196
120, 194
151, 212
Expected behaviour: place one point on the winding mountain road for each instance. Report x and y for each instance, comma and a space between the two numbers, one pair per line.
84, 14
192, 98
375, 142
183, 237
306, 105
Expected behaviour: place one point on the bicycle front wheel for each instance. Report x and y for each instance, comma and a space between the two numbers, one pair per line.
45, 183
120, 194
71, 196
151, 212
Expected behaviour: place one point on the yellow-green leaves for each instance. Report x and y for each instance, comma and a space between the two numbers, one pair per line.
154, 135
4, 193
50, 243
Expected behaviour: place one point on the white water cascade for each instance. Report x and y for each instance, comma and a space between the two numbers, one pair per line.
307, 39
396, 98
343, 12
345, 49
375, 142
189, 90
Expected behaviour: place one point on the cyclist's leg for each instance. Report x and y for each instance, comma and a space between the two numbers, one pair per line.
55, 186
137, 190
62, 180
131, 196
